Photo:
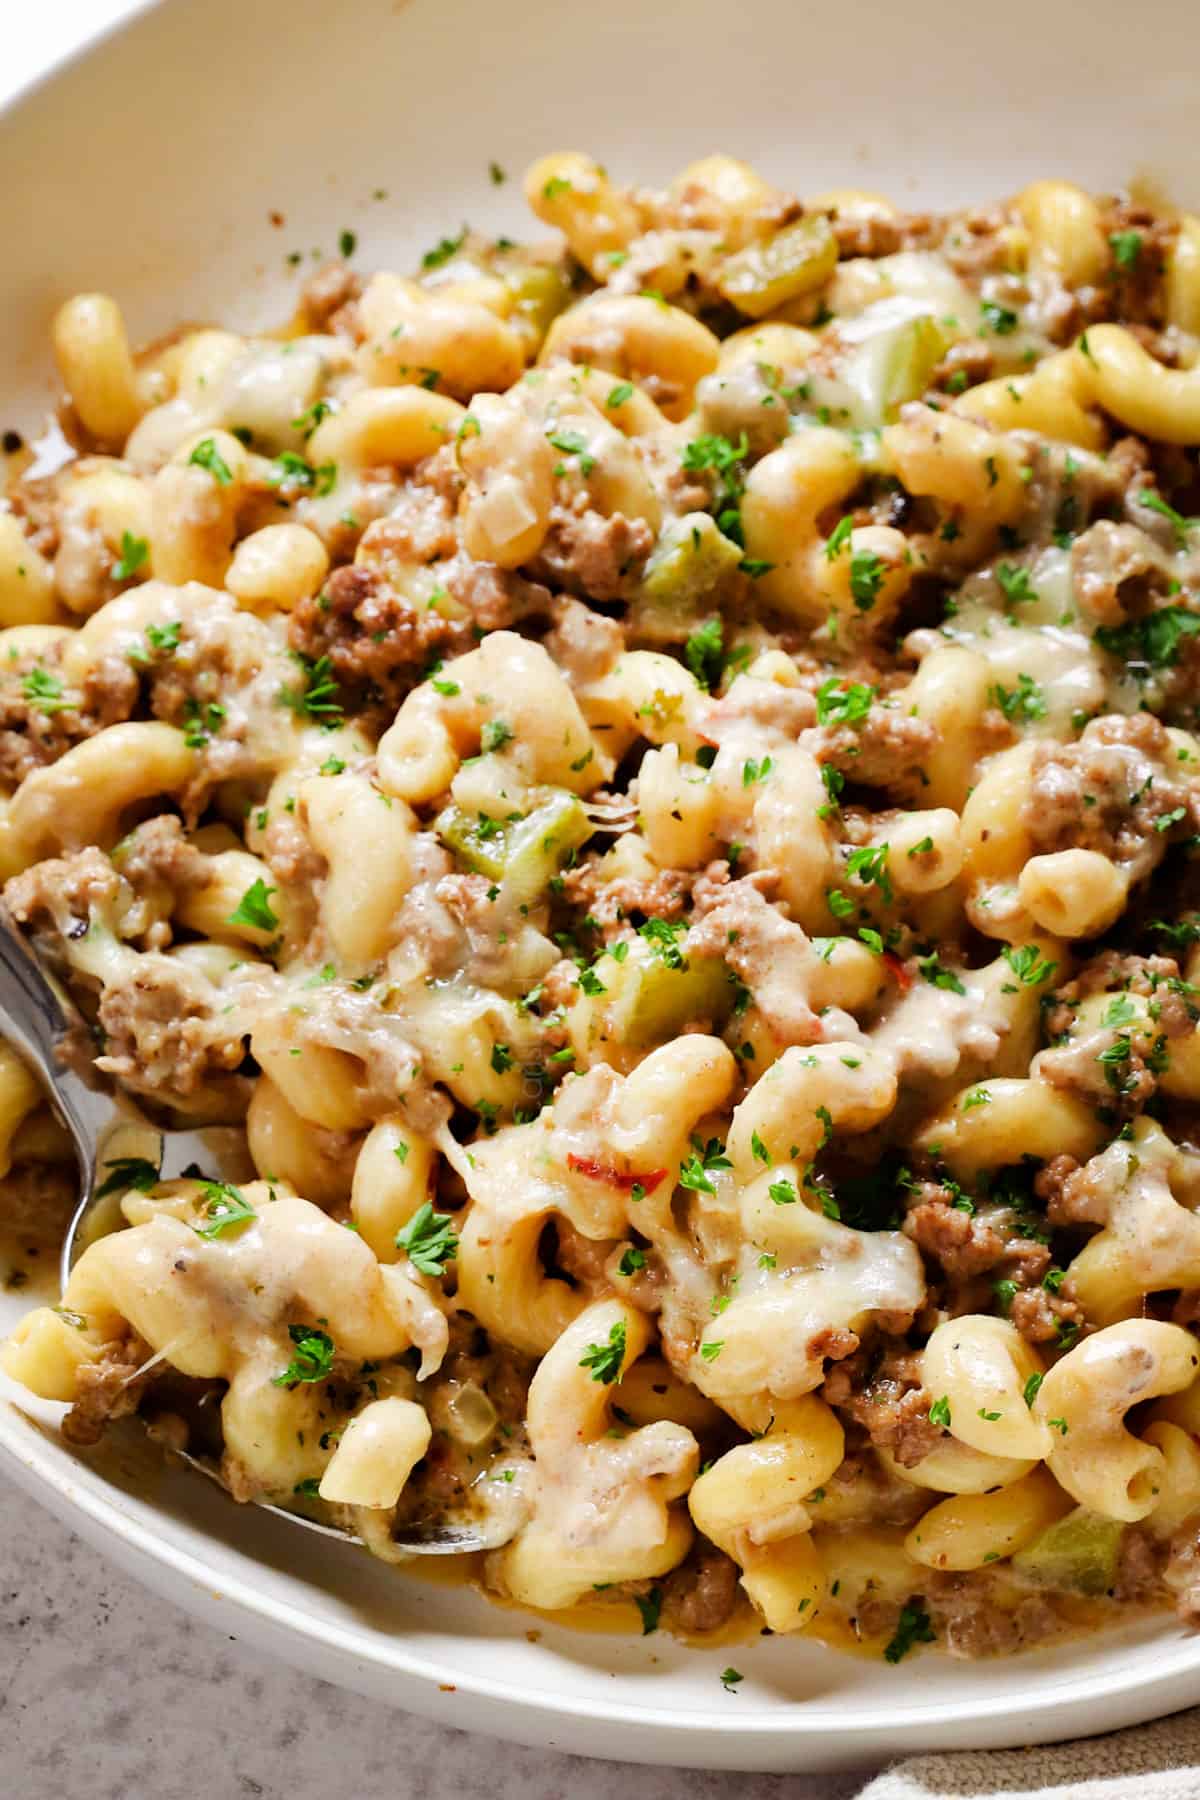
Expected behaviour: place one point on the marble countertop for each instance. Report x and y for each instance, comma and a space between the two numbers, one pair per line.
108, 1693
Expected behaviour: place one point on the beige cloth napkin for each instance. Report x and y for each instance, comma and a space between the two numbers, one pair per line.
1150, 1762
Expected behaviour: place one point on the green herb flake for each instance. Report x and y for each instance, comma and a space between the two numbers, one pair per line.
428, 1239
604, 1360
254, 908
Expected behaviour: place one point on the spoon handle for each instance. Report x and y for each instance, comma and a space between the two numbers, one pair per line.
36, 1019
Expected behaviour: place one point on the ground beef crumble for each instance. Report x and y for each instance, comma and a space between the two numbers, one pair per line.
880, 1389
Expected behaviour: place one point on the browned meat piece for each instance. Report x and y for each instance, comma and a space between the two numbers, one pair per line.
107, 1389
770, 953
959, 1241
332, 287
494, 597
886, 750
1111, 970
972, 359
1135, 293
583, 1258
872, 236
970, 1619
1106, 792
560, 984
372, 635
1140, 1563
590, 554
833, 1343
61, 892
37, 729
883, 1393
1111, 565
1038, 1314
1073, 1196
293, 860
165, 1029
700, 1595
977, 243
157, 852
583, 643
661, 896
419, 528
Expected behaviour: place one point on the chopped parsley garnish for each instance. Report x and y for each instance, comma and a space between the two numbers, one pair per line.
833, 781
44, 690
290, 470
308, 420
333, 765
1031, 1387
650, 1606
1155, 503
128, 1172
783, 1193
255, 909
620, 394
1153, 639
724, 458
224, 1205
939, 1412
753, 771
838, 705
312, 1359
347, 242
912, 1627
631, 1261
866, 578
495, 735
839, 537
869, 864
1126, 248
696, 1173
704, 653
730, 1678
319, 699
200, 721
134, 553
999, 320
604, 1360
429, 1240
571, 443
1028, 964
934, 971
206, 456
1016, 584
443, 250
663, 938
1025, 701
163, 640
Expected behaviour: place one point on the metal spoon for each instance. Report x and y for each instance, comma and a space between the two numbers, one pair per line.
43, 1025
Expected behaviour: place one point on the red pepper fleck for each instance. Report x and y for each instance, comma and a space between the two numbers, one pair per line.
598, 1171
899, 969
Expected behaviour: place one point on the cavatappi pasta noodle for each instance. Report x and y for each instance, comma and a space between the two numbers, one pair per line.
657, 777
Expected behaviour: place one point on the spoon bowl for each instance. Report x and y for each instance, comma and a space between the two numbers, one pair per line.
41, 1022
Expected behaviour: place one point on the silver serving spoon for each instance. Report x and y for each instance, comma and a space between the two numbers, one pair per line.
43, 1025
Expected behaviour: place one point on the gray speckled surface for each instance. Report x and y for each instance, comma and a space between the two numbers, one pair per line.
108, 1693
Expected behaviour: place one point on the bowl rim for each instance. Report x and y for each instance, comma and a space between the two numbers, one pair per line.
33, 1460
37, 1466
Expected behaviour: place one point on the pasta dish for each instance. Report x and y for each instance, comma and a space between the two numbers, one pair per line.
656, 776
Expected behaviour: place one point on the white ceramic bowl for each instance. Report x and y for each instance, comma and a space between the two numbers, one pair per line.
149, 167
